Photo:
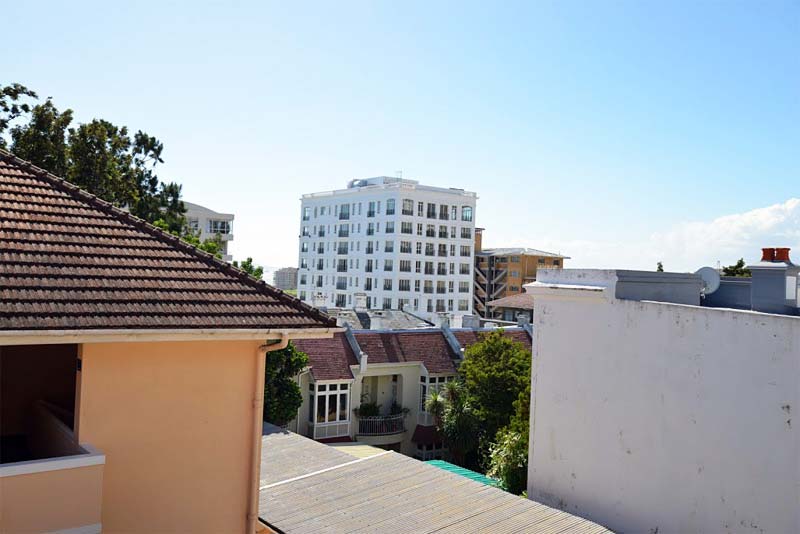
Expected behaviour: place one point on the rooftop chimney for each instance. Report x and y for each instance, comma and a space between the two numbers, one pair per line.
767, 254
782, 254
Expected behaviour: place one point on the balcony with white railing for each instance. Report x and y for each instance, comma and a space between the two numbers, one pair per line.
381, 429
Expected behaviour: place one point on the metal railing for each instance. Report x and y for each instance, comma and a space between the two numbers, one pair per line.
381, 425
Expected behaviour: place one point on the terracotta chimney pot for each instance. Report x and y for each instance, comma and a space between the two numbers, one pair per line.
782, 254
767, 254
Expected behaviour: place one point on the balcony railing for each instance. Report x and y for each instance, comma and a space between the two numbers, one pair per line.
381, 425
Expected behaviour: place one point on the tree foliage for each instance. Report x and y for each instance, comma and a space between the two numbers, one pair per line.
508, 455
737, 269
282, 395
43, 141
660, 267
256, 271
456, 421
13, 103
496, 370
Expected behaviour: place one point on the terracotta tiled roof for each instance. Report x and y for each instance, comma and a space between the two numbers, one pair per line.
520, 301
428, 347
329, 359
467, 337
69, 261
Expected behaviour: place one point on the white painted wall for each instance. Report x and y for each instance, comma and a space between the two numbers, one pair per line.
652, 417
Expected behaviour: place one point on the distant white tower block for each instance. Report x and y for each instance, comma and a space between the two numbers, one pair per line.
399, 243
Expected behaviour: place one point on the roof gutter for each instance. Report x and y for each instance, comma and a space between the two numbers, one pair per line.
43, 337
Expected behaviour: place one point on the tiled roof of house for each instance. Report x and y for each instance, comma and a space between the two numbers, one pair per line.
330, 359
426, 346
71, 261
520, 301
467, 337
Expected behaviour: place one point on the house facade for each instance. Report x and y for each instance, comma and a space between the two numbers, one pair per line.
131, 369
371, 386
402, 244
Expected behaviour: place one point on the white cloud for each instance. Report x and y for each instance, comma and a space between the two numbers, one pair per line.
688, 246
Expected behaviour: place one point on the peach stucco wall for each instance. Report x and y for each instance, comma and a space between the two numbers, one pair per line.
174, 420
51, 500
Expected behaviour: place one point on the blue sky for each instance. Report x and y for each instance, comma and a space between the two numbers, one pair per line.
618, 133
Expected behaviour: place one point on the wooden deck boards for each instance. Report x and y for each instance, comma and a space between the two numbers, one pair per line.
389, 493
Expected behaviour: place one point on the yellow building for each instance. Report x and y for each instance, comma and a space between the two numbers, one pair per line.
501, 272
131, 369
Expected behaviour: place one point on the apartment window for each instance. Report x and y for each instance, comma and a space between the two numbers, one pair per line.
390, 207
429, 249
321, 231
428, 267
322, 211
416, 288
443, 215
465, 250
305, 232
404, 285
320, 264
344, 212
430, 230
370, 247
419, 247
342, 248
302, 295
463, 287
431, 211
452, 232
405, 266
341, 301
367, 285
443, 232
453, 213
341, 266
218, 226
466, 232
463, 305
408, 206
344, 231
388, 265
304, 246
303, 263
406, 228
556, 263
452, 250
420, 209
452, 268
405, 247
388, 246
441, 289
450, 287
387, 303
417, 266
303, 279
466, 213
320, 248
443, 251
368, 266
194, 224
428, 287
371, 229
341, 282
440, 305
329, 402
371, 209
390, 227
449, 305
306, 213
441, 269
514, 274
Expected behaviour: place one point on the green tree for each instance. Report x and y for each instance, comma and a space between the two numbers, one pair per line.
508, 455
737, 269
13, 105
256, 271
282, 395
43, 140
660, 267
456, 421
496, 370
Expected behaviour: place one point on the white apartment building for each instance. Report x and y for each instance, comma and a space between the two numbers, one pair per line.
402, 244
207, 223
